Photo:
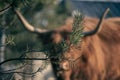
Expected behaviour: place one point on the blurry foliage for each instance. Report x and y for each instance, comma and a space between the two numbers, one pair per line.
40, 13
76, 36
10, 40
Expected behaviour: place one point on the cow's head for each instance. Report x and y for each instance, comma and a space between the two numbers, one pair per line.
56, 37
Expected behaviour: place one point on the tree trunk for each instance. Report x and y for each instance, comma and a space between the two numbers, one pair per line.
2, 48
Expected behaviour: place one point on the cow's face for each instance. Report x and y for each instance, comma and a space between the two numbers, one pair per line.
73, 59
69, 58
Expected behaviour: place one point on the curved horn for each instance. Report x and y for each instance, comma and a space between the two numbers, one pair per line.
27, 25
98, 26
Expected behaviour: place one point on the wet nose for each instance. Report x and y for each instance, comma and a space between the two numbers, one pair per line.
64, 65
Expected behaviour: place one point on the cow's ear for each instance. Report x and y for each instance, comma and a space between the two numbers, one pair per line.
56, 37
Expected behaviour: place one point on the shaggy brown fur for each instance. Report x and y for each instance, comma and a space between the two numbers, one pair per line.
97, 58
100, 53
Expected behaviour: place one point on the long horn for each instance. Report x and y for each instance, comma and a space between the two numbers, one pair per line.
98, 26
27, 25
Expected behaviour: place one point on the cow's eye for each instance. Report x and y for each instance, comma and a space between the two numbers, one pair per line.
84, 58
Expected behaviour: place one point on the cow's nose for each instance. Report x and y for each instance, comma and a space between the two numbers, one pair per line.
65, 65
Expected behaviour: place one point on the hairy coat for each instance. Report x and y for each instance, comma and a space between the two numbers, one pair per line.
100, 53
96, 58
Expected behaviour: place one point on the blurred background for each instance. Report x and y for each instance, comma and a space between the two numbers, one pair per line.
15, 40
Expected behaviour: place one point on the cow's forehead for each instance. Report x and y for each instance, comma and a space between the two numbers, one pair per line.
73, 51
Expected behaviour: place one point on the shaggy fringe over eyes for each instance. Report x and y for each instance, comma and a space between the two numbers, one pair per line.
74, 38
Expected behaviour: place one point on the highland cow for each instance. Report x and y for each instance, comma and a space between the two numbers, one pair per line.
95, 58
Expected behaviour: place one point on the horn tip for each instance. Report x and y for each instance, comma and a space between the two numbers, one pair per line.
108, 9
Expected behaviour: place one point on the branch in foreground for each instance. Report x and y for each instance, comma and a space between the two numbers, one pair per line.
5, 8
10, 70
13, 59
27, 73
19, 72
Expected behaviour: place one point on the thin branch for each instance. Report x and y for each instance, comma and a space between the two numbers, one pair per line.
10, 70
27, 73
14, 59
9, 6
